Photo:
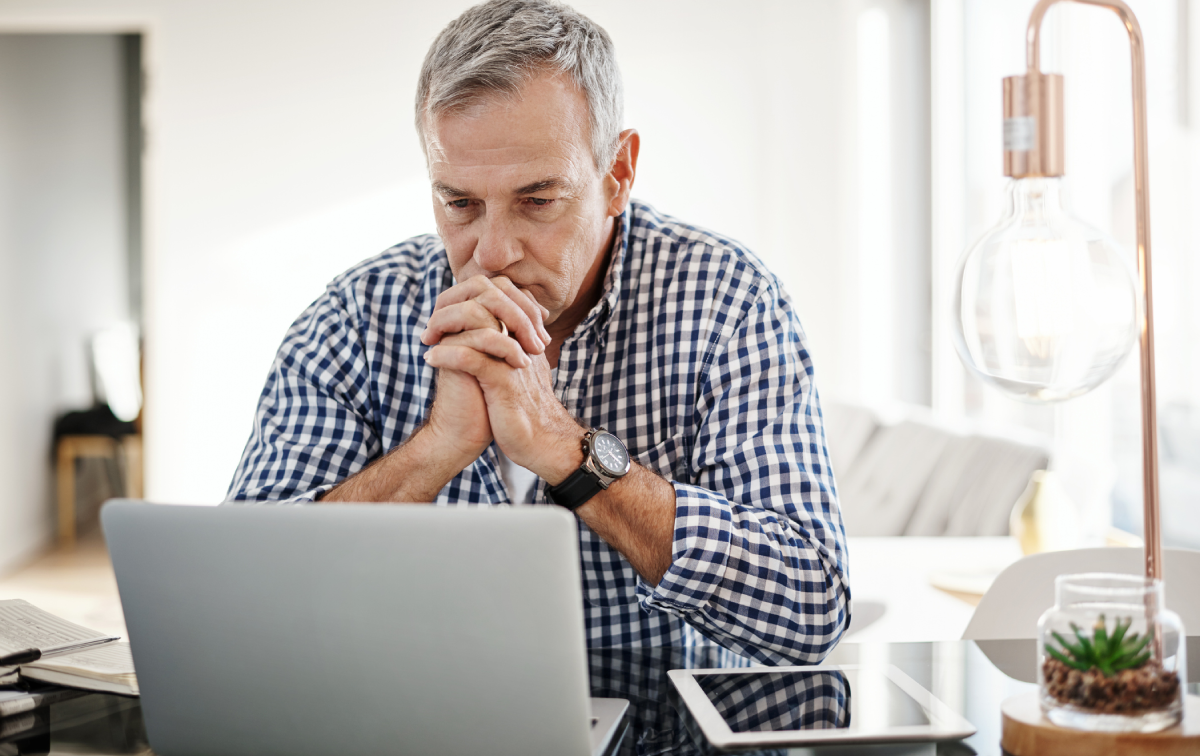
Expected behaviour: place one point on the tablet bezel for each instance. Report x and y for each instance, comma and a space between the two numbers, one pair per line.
944, 722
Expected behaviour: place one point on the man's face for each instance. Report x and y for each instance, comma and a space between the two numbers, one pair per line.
516, 192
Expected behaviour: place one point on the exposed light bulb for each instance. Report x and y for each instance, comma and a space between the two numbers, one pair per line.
1045, 306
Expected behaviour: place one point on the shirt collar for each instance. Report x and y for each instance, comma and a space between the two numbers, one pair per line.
600, 314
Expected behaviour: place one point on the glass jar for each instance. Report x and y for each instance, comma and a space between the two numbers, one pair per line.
1110, 656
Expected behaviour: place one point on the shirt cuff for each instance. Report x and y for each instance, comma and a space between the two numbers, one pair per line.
699, 553
308, 497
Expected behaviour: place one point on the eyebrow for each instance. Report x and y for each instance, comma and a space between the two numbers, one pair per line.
541, 185
449, 191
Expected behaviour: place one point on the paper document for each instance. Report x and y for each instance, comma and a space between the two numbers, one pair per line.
23, 625
108, 668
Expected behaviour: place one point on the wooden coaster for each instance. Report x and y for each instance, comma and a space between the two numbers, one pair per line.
1027, 732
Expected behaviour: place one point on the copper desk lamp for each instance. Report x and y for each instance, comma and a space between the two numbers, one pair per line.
1047, 307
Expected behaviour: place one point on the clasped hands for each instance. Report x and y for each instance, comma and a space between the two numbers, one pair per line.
496, 385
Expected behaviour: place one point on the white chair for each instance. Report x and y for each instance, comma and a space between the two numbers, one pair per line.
1023, 591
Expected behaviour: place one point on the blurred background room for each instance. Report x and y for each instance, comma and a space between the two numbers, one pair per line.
179, 179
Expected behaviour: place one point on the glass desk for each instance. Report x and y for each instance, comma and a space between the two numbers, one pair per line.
971, 677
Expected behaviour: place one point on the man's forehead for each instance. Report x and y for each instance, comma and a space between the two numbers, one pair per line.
541, 132
525, 177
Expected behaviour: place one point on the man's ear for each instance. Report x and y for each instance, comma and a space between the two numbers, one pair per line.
620, 177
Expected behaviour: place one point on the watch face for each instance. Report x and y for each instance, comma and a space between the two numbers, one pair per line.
610, 453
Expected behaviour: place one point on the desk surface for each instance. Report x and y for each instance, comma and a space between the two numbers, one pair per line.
972, 678
890, 578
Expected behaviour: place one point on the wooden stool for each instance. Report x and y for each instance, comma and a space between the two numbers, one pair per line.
126, 451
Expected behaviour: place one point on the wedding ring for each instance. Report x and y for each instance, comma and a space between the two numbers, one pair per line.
503, 327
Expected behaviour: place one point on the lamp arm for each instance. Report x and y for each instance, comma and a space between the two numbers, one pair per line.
1152, 532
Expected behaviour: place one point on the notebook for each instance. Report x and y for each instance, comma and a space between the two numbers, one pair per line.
107, 668
97, 662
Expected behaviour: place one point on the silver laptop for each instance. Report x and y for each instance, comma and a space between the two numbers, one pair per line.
358, 629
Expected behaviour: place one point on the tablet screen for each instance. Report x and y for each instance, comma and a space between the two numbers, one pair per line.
855, 700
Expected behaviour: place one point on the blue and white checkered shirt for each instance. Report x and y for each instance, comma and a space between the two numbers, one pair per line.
693, 357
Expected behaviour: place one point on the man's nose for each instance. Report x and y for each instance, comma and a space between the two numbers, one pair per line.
498, 247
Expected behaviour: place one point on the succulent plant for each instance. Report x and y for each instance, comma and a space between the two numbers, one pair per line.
1108, 653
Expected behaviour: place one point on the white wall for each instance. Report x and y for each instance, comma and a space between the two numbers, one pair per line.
886, 280
281, 151
62, 253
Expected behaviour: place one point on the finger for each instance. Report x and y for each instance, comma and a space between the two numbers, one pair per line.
520, 325
464, 316
492, 343
527, 303
464, 359
462, 292
545, 310
507, 305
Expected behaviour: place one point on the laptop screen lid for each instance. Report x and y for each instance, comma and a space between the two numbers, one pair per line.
321, 629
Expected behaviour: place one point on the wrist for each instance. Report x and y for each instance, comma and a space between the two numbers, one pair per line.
416, 471
563, 457
445, 451
605, 461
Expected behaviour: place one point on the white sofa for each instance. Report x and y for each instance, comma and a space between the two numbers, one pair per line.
903, 472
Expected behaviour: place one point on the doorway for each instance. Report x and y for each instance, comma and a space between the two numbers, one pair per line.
71, 250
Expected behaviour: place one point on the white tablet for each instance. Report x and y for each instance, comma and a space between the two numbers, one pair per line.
762, 707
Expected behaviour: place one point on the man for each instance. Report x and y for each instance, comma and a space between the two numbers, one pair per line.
551, 307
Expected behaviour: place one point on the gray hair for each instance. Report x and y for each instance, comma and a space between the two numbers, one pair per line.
496, 47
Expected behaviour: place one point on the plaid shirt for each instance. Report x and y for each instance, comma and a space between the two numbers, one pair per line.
693, 357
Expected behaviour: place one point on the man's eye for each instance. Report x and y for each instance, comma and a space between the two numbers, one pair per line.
461, 204
540, 201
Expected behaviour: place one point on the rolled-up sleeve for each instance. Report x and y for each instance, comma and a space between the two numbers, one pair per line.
312, 427
759, 559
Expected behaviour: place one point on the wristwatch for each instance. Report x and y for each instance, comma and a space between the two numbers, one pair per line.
605, 459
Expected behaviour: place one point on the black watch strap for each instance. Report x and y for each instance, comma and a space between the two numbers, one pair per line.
573, 492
